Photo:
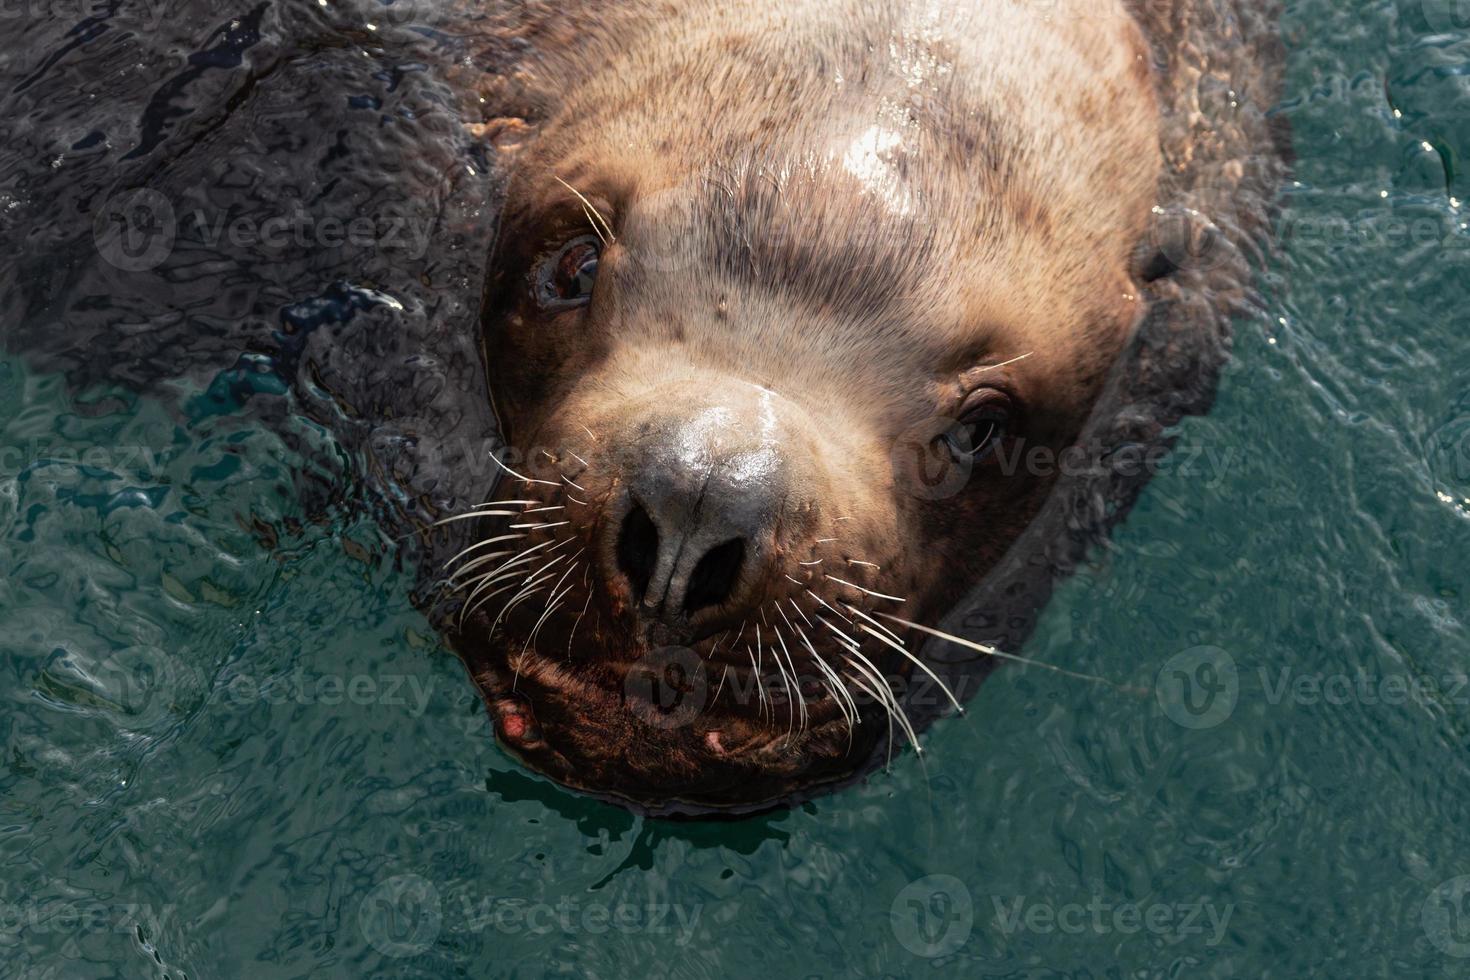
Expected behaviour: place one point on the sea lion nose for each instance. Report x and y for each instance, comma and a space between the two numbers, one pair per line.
701, 510
675, 573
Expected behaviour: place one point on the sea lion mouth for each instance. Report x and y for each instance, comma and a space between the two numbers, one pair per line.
681, 749
779, 681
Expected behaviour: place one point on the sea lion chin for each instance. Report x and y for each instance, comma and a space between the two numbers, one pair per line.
775, 308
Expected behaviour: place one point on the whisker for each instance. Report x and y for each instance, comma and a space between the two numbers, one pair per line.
992, 651
786, 683
481, 544
917, 663
524, 479
760, 688
824, 602
991, 367
832, 693
572, 483
490, 578
552, 605
475, 515
855, 717
792, 664
593, 211
538, 527
503, 589
894, 708
483, 583
887, 762
876, 595
471, 566
798, 610
593, 222
822, 665
858, 612
553, 602
760, 657
890, 702
527, 590
573, 634
523, 556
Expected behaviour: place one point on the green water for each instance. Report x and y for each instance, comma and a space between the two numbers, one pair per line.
231, 747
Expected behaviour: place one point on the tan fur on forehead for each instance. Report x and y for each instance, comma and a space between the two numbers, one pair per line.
889, 168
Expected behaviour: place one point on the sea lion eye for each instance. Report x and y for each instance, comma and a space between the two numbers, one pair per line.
565, 278
983, 422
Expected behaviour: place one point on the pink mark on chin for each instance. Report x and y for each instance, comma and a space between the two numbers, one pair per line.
516, 722
513, 724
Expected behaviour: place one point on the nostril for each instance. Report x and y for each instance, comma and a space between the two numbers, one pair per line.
714, 577
638, 549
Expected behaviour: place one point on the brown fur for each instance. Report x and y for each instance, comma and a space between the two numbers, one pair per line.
836, 213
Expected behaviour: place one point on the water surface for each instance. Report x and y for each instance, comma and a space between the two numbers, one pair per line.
232, 747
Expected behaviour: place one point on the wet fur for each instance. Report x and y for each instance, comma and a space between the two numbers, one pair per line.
1013, 216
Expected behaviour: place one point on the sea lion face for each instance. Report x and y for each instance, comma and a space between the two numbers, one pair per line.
764, 401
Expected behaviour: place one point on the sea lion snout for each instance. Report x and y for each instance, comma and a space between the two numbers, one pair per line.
706, 498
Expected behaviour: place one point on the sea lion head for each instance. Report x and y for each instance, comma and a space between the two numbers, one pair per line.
772, 375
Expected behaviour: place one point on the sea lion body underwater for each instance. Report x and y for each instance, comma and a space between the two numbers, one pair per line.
781, 295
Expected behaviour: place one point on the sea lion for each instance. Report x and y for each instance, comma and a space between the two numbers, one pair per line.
787, 302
